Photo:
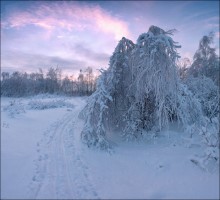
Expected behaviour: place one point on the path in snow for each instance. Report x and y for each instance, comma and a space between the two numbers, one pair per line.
61, 172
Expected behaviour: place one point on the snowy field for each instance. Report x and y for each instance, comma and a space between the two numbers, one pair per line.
42, 158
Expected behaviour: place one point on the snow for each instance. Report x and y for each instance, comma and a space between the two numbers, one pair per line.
19, 137
43, 157
147, 170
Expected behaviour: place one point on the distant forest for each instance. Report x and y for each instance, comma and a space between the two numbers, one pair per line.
18, 84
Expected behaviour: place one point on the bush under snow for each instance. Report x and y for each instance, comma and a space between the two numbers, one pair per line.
42, 105
14, 107
18, 106
205, 90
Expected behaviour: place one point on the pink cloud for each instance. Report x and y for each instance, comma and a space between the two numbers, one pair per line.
69, 16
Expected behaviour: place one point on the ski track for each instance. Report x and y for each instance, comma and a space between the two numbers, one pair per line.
60, 170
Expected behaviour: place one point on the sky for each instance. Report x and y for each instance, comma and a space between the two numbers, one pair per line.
74, 35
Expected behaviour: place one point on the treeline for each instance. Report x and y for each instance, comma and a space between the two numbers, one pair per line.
19, 84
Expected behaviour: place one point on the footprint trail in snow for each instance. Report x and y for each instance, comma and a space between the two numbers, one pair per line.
61, 172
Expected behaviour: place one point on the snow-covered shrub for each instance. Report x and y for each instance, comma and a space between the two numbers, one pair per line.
42, 105
14, 108
189, 110
209, 135
205, 90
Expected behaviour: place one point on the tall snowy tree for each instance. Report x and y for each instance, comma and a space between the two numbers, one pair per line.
139, 91
156, 90
106, 103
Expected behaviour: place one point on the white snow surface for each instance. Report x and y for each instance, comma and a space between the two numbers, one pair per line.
42, 157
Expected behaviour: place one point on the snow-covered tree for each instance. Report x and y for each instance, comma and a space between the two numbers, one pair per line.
158, 95
53, 79
106, 103
154, 82
183, 65
5, 75
140, 90
205, 61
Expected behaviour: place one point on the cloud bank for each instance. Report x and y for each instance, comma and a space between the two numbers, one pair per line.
69, 16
